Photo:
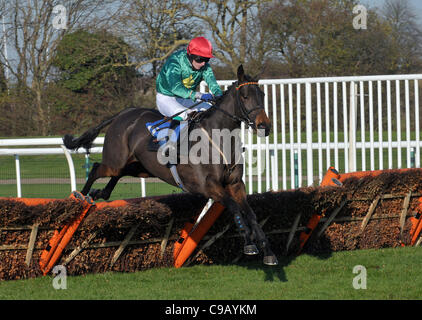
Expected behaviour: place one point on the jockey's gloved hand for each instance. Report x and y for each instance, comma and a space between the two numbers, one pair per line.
204, 96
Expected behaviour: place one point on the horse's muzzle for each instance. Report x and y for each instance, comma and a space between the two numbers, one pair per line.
262, 124
263, 130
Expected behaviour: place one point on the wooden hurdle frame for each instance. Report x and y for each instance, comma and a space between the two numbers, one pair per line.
333, 178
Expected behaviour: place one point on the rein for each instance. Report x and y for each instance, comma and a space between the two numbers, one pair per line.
244, 118
245, 114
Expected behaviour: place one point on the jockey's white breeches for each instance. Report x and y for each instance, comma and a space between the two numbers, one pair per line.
169, 106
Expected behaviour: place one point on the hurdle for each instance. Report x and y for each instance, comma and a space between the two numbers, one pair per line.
192, 234
334, 178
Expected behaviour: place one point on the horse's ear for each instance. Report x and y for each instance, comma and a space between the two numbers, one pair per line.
240, 73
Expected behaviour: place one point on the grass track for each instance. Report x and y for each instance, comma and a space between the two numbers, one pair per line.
391, 274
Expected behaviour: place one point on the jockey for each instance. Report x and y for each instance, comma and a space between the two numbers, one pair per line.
179, 78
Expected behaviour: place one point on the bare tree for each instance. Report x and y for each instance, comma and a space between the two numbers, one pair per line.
229, 22
157, 28
32, 36
406, 34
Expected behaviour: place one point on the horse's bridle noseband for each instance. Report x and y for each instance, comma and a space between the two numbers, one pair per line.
245, 113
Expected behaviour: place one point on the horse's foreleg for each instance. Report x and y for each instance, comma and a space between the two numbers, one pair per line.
219, 194
242, 225
238, 192
262, 241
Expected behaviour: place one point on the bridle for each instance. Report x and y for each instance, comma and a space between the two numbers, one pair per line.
243, 118
244, 113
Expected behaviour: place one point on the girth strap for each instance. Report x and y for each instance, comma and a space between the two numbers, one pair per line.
176, 177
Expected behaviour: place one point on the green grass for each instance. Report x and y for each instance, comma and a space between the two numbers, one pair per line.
56, 167
391, 274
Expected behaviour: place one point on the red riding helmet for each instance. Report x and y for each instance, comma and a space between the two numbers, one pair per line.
200, 46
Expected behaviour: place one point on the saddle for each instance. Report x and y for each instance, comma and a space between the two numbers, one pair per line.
159, 131
159, 137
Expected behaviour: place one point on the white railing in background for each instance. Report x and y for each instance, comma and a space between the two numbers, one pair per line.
61, 149
317, 123
303, 108
39, 142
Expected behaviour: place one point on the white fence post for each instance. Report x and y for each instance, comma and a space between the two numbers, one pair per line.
309, 156
143, 188
274, 154
417, 130
18, 176
352, 127
71, 169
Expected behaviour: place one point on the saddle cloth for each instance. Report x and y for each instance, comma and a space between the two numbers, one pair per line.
160, 137
159, 133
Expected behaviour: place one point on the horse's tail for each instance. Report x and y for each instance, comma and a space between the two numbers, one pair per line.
86, 139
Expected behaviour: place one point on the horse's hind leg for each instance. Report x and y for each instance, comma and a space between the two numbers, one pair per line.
134, 169
106, 192
99, 171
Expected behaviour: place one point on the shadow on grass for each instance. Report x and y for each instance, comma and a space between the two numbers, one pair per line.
277, 273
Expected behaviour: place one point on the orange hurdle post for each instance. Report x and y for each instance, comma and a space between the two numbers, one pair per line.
62, 237
331, 178
194, 236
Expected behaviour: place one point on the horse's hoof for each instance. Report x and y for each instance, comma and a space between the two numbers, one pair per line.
250, 250
95, 194
89, 199
270, 260
78, 195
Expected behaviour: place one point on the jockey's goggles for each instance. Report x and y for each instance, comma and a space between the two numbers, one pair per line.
199, 59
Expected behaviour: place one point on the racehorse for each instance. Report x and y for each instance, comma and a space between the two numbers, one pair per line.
126, 152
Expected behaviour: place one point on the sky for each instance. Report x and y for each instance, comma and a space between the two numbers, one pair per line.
415, 4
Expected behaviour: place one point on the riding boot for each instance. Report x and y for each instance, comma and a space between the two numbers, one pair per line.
172, 133
176, 126
173, 136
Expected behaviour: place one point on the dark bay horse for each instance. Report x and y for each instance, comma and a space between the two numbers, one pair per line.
126, 153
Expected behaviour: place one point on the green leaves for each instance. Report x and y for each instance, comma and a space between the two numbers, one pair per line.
93, 61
